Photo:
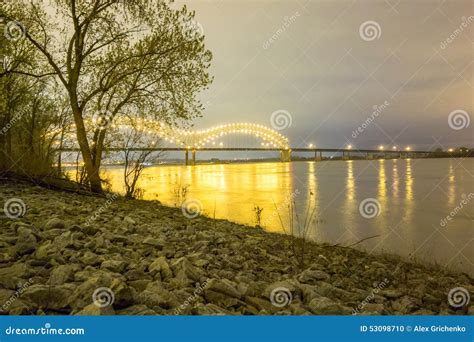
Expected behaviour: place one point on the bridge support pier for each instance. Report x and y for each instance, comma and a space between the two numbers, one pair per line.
186, 157
369, 156
345, 156
285, 155
193, 157
318, 156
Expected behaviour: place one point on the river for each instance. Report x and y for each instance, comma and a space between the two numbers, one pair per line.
417, 208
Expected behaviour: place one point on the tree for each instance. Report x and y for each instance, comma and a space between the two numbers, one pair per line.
117, 58
133, 138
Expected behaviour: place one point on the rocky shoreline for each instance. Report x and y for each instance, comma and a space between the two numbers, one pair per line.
63, 253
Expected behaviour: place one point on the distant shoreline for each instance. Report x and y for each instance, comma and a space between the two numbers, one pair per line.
273, 160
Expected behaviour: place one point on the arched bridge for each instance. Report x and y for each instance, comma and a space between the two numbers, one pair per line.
191, 141
205, 140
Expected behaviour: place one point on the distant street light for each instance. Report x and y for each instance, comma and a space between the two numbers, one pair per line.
394, 147
311, 145
381, 147
408, 148
450, 150
349, 147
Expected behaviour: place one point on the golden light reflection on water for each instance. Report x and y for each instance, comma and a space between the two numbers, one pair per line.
382, 185
408, 181
452, 188
243, 185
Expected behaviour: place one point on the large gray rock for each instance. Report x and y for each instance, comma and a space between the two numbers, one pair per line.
184, 269
123, 295
223, 286
54, 223
160, 265
94, 310
116, 266
310, 276
52, 297
12, 275
63, 273
26, 244
325, 306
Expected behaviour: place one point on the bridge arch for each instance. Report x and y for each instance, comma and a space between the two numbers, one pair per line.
195, 139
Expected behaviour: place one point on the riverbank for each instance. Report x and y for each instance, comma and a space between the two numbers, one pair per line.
67, 253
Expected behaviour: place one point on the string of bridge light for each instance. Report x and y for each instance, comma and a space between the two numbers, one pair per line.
199, 138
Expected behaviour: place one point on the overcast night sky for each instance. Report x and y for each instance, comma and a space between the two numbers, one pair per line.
318, 68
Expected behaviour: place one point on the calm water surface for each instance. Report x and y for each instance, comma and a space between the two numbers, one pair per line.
415, 195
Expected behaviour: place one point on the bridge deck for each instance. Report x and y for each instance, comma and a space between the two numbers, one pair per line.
296, 149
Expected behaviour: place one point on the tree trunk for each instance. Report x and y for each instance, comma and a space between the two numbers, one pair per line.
91, 168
